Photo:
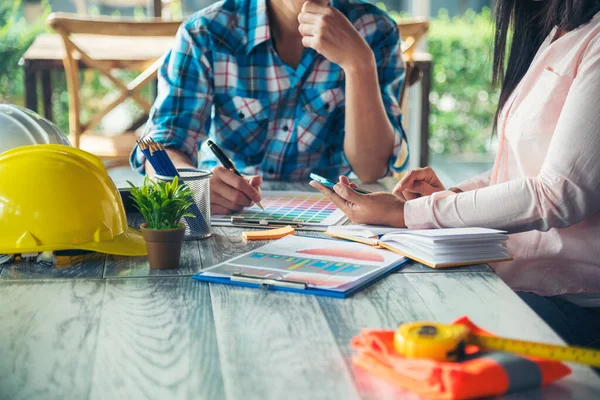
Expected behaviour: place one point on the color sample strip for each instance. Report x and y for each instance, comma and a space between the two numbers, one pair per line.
293, 207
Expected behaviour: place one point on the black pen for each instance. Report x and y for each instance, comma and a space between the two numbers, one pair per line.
226, 161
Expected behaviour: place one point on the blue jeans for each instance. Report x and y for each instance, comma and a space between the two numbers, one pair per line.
578, 326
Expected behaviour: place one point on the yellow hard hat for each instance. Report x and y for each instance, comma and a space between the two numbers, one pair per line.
55, 197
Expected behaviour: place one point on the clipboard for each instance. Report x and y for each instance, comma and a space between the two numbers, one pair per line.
316, 266
256, 282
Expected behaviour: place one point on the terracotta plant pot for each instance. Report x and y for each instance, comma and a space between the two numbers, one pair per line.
164, 246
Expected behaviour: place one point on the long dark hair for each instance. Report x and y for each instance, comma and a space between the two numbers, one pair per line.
531, 22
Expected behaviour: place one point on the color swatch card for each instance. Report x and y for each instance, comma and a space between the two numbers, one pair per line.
300, 209
319, 264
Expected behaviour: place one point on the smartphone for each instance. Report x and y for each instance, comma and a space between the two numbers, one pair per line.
330, 184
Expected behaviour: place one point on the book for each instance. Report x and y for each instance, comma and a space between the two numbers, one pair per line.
317, 266
436, 248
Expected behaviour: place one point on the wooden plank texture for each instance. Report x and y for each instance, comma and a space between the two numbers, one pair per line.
157, 341
225, 243
77, 267
415, 267
382, 306
114, 49
277, 346
49, 331
491, 304
128, 267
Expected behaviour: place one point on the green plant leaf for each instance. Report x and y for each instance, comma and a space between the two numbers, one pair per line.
162, 204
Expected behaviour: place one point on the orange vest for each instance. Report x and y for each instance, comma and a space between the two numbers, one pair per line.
481, 374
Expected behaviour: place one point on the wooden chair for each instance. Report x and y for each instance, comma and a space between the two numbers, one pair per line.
116, 148
412, 32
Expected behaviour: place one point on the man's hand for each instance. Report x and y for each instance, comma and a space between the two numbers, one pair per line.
231, 193
374, 208
417, 183
329, 32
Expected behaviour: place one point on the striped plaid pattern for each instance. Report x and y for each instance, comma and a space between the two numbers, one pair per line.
224, 80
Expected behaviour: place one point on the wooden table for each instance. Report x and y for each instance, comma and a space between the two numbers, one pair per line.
46, 55
107, 327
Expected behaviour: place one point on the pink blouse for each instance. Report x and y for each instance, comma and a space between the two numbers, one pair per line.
544, 187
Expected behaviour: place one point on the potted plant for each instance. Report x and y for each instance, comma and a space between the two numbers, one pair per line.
163, 205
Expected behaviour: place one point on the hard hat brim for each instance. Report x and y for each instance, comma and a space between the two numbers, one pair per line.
129, 243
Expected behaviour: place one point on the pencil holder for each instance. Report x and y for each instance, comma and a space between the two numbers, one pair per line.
199, 183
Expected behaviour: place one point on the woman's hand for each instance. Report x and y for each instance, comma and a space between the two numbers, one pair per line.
374, 208
418, 183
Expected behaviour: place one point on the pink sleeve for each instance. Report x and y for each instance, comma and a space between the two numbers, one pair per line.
566, 190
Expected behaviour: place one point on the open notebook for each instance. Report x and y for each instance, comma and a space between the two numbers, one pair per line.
436, 248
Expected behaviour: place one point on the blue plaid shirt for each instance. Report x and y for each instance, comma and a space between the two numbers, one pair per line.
224, 80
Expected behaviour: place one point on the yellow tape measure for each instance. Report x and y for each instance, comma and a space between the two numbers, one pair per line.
447, 342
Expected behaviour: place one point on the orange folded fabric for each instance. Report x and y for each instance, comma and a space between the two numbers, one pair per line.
480, 374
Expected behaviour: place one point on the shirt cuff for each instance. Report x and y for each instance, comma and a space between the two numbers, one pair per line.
420, 213
137, 160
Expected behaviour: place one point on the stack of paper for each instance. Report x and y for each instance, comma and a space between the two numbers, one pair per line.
437, 248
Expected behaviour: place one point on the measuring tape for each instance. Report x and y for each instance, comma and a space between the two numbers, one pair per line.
447, 343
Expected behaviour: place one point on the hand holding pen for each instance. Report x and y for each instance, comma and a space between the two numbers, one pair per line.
230, 191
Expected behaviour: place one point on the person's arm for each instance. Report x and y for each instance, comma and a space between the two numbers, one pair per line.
424, 182
374, 78
373, 125
566, 190
180, 119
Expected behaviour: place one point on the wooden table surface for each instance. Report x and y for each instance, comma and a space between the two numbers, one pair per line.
48, 49
107, 327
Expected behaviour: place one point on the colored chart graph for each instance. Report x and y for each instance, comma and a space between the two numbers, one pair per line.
357, 255
305, 265
293, 207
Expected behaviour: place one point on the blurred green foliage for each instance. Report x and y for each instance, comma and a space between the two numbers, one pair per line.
462, 101
16, 35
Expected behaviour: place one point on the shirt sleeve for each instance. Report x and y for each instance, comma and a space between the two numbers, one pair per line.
180, 116
390, 69
566, 190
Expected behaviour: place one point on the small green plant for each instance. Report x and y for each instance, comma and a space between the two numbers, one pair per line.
162, 204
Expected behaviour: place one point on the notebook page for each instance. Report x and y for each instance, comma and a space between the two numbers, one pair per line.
452, 258
451, 233
460, 242
446, 250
